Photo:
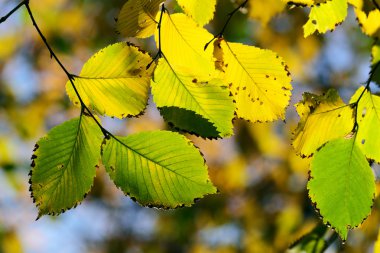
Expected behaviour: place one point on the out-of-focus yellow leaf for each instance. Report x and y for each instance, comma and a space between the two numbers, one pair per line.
265, 10
233, 176
8, 46
137, 18
183, 41
305, 2
202, 11
258, 80
11, 243
322, 118
369, 23
115, 81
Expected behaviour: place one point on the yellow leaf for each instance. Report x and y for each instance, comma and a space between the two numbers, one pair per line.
114, 81
258, 80
322, 118
325, 16
137, 18
368, 117
369, 23
202, 11
265, 10
183, 41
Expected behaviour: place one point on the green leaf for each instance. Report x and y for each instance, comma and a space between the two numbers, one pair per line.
322, 118
64, 165
158, 169
202, 11
342, 185
368, 135
137, 18
258, 80
209, 99
325, 16
114, 81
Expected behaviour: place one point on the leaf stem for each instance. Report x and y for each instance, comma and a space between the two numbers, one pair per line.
3, 19
159, 53
230, 15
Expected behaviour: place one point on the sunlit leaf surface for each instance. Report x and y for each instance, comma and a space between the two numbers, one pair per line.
158, 169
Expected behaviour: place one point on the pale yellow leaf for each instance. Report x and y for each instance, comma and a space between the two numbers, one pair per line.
183, 41
258, 80
322, 118
202, 11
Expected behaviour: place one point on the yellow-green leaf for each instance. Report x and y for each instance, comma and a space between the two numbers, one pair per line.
137, 18
64, 165
114, 81
157, 169
325, 16
209, 99
322, 118
202, 11
342, 184
368, 134
258, 80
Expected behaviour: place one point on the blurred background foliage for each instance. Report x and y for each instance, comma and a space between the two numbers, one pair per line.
262, 205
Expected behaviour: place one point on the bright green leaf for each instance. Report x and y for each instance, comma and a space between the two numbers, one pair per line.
342, 185
202, 11
325, 16
368, 135
158, 169
322, 118
115, 81
258, 80
64, 165
209, 99
137, 18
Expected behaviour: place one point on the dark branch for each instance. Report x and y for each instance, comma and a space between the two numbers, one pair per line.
71, 77
367, 88
230, 15
159, 53
376, 4
3, 19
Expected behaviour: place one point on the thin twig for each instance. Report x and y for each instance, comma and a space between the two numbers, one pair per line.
71, 77
3, 19
159, 53
230, 15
